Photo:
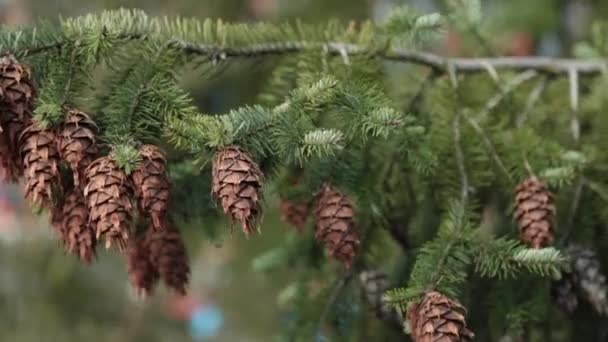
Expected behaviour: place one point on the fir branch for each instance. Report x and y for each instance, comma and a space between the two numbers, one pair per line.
272, 40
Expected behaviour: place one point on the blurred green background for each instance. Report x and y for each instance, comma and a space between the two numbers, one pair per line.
46, 295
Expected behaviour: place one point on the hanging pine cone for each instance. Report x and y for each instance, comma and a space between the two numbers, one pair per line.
237, 182
108, 193
589, 279
40, 164
76, 143
151, 184
335, 226
142, 274
295, 213
16, 98
373, 285
534, 212
168, 256
563, 292
438, 318
79, 236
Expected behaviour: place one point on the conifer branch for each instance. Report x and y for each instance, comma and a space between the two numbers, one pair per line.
548, 65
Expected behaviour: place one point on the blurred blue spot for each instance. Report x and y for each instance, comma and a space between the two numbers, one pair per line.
206, 322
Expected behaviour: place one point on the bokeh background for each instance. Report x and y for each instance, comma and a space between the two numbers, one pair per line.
46, 295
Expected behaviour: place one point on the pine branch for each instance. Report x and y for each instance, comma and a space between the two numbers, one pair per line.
548, 65
217, 52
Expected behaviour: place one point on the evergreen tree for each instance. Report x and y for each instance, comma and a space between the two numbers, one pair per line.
94, 118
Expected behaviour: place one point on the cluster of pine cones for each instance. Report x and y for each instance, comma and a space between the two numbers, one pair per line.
89, 197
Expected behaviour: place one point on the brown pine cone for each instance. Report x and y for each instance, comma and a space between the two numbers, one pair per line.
77, 144
438, 319
40, 164
534, 212
295, 214
108, 193
335, 226
168, 256
142, 274
80, 236
152, 185
16, 98
236, 184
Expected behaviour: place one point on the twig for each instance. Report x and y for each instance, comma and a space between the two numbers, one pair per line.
489, 146
422, 89
509, 87
533, 98
335, 292
578, 191
464, 180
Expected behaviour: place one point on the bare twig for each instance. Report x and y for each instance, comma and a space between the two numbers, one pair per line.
509, 87
333, 296
533, 98
489, 146
578, 191
464, 179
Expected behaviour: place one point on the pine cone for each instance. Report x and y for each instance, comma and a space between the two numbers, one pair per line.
79, 235
76, 143
438, 319
374, 284
16, 98
534, 212
40, 164
108, 193
334, 225
564, 294
168, 256
142, 274
151, 184
295, 214
237, 181
589, 279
